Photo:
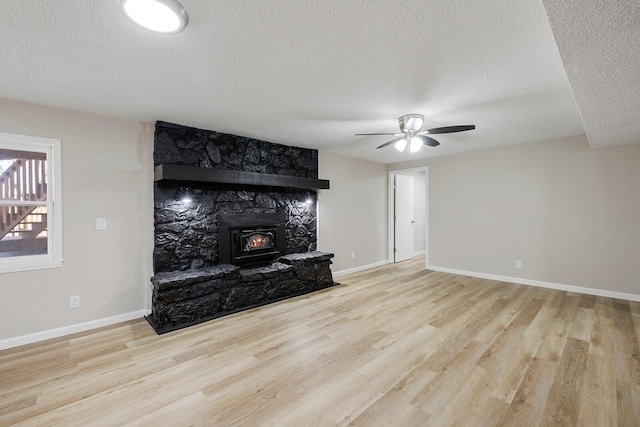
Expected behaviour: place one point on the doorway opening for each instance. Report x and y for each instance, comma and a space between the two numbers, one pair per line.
408, 214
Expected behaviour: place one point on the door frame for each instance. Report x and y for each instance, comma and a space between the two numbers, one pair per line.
390, 203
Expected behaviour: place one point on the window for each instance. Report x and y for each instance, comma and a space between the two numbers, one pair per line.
30, 208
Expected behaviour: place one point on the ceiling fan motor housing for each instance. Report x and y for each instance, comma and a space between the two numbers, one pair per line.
411, 122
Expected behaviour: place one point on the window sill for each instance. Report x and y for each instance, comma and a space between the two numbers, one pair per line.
28, 265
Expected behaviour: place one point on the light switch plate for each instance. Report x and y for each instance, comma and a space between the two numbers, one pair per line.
101, 224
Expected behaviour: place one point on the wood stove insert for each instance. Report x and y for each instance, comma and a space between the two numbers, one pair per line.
251, 239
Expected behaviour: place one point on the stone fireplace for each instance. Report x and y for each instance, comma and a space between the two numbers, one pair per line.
248, 236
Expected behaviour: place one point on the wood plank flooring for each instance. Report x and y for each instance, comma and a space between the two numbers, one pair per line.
396, 345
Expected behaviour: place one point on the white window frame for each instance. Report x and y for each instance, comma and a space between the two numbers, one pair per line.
53, 257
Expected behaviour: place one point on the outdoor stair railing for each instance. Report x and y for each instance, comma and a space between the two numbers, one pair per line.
24, 180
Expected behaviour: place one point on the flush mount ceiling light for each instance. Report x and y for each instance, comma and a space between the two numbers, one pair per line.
160, 16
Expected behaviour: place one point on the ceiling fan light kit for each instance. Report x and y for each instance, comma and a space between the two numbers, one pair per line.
416, 144
413, 137
401, 144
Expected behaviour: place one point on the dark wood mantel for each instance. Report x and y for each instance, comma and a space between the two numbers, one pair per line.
168, 172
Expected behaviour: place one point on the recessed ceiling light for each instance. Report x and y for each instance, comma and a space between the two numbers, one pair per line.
161, 16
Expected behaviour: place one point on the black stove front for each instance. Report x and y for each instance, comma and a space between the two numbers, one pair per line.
251, 239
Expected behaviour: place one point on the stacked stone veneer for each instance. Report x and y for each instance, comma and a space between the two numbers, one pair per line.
183, 298
186, 236
189, 285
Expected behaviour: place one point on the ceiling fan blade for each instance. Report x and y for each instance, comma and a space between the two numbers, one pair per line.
428, 141
393, 141
449, 129
393, 134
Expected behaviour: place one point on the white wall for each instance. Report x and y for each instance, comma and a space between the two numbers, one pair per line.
107, 171
352, 214
569, 213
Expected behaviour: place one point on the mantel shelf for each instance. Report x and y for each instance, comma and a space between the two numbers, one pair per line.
168, 172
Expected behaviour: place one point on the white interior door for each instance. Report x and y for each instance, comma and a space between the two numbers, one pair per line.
403, 218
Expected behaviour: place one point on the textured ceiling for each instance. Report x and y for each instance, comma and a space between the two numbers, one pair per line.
599, 41
307, 73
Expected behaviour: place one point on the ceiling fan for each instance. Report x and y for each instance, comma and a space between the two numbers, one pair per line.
413, 137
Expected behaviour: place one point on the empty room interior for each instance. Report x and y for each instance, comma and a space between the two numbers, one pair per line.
236, 213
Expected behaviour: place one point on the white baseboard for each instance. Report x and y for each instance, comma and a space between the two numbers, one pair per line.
361, 268
540, 284
72, 329
415, 254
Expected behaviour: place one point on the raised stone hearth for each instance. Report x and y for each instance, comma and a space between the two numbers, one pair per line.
185, 298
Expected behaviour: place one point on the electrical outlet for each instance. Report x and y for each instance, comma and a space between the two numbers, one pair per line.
74, 301
353, 254
518, 264
101, 224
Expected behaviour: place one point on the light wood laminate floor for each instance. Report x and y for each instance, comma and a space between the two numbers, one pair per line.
396, 345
